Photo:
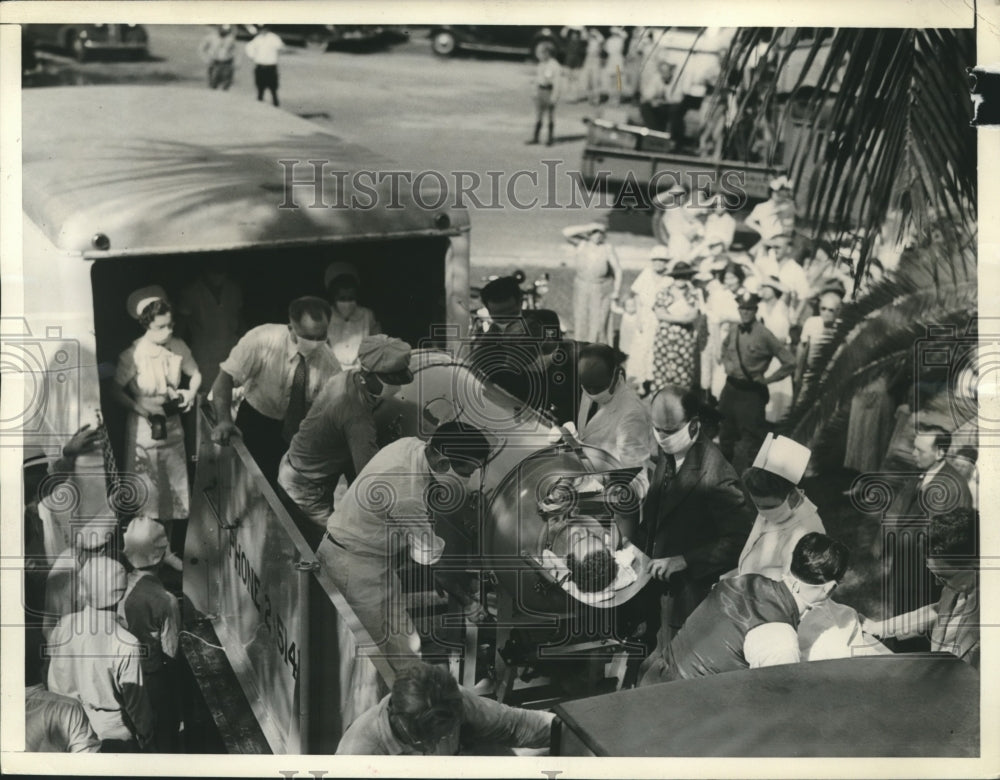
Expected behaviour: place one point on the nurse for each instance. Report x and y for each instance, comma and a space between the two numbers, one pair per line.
349, 321
148, 384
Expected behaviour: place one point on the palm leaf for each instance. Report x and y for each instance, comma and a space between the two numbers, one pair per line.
888, 127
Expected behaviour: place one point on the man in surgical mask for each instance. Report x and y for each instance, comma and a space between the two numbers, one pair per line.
696, 516
611, 416
281, 368
393, 504
337, 436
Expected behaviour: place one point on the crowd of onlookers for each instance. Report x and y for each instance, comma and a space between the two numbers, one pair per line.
713, 347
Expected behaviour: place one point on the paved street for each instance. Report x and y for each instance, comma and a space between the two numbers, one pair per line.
468, 113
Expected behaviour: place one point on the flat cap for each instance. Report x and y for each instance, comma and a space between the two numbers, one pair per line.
383, 354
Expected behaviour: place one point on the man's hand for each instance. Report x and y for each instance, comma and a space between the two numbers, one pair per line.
663, 568
187, 399
222, 432
84, 440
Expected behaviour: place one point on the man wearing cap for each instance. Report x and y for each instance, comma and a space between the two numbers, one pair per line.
282, 368
337, 437
96, 661
152, 614
776, 214
784, 514
263, 52
660, 95
597, 281
218, 50
389, 507
751, 621
611, 415
747, 352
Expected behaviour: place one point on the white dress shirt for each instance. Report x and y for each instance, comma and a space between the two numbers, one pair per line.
264, 363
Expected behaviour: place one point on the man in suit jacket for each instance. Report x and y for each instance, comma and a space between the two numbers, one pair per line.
695, 518
939, 489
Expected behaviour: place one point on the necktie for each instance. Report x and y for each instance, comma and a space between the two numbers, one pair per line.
670, 467
297, 400
592, 411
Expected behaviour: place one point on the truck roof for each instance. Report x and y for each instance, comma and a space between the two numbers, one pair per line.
174, 169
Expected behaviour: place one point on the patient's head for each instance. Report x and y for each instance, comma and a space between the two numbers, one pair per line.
591, 563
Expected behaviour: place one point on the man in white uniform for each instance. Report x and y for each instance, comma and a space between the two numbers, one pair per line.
611, 415
263, 51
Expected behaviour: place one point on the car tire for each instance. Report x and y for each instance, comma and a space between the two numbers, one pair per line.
443, 44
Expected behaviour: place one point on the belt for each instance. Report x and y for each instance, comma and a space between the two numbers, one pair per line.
746, 385
545, 86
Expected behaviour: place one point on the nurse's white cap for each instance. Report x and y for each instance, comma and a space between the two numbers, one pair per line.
784, 457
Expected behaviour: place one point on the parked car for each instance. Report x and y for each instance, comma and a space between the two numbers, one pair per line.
321, 36
526, 40
85, 40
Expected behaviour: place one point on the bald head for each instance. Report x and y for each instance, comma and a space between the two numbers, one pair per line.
829, 307
674, 409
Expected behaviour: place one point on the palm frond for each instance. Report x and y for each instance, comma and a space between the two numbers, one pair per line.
886, 126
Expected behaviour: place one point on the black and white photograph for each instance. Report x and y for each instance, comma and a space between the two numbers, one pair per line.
564, 385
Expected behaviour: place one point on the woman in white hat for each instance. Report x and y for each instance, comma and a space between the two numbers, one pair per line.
148, 384
773, 312
775, 215
596, 283
677, 309
349, 321
784, 514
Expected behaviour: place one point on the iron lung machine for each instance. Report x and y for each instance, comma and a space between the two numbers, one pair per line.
542, 504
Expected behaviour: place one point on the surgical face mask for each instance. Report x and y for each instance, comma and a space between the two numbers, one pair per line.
160, 329
676, 442
346, 308
776, 514
469, 482
604, 396
305, 347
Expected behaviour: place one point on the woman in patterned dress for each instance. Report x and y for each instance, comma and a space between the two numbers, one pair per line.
677, 309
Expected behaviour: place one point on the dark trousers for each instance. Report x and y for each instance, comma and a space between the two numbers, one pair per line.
262, 436
220, 74
266, 79
119, 746
743, 425
161, 686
